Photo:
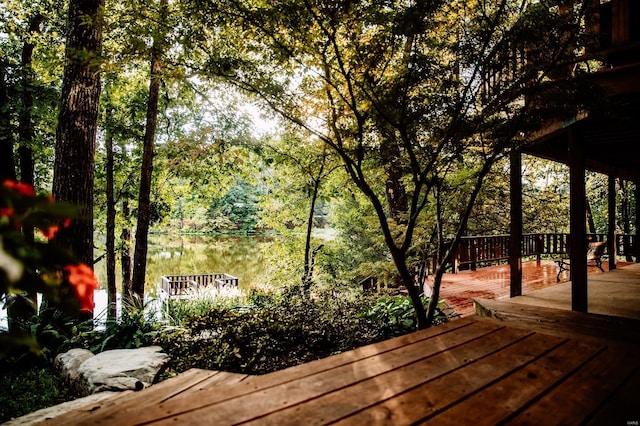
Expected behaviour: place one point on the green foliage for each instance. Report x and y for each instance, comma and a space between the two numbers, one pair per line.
137, 326
24, 390
179, 311
237, 209
262, 297
397, 314
278, 332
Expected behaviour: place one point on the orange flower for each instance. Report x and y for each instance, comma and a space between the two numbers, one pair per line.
50, 232
84, 282
6, 211
19, 187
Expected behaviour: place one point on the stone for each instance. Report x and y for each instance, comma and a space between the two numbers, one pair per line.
113, 370
69, 362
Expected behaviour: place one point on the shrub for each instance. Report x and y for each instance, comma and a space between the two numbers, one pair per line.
18, 396
288, 331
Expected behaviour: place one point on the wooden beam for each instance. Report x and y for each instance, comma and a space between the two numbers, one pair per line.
611, 238
577, 219
620, 26
515, 248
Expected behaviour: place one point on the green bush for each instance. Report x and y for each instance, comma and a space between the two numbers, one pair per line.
24, 390
396, 314
288, 331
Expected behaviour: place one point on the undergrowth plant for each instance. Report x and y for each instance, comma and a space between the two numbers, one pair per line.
288, 331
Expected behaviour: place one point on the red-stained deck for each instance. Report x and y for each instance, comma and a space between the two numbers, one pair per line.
492, 282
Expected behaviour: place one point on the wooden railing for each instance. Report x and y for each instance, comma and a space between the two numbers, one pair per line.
489, 249
626, 245
178, 285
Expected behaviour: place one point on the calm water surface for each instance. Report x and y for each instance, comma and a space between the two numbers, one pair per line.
244, 257
241, 256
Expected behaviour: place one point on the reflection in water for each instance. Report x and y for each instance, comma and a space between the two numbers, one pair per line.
240, 256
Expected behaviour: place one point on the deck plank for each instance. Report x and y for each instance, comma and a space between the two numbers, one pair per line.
582, 394
334, 405
621, 407
200, 398
431, 399
568, 323
423, 386
155, 394
495, 403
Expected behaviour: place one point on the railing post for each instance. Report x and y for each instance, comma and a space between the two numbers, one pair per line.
539, 242
515, 226
474, 256
611, 228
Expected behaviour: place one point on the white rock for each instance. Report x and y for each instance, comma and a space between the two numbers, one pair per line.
113, 370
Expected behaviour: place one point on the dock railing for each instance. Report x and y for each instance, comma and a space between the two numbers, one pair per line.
180, 285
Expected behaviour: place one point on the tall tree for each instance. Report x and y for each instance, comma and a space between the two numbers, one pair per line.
432, 92
146, 168
77, 123
7, 162
111, 221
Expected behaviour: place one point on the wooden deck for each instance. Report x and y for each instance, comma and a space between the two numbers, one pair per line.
513, 363
460, 289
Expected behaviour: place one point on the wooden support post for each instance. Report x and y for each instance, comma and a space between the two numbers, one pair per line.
577, 225
611, 234
636, 241
515, 256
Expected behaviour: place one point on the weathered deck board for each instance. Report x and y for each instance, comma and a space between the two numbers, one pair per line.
615, 410
601, 376
186, 382
430, 397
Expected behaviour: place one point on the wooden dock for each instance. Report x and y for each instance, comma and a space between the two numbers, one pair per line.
512, 363
186, 285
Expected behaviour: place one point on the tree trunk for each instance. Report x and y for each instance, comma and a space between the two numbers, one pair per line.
25, 306
308, 255
7, 163
77, 124
125, 253
591, 225
146, 172
112, 293
394, 188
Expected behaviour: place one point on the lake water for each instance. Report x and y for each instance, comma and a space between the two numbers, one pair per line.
245, 257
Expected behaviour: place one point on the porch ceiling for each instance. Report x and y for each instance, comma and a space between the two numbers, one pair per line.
613, 150
611, 143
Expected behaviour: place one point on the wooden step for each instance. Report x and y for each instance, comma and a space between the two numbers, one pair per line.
560, 322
